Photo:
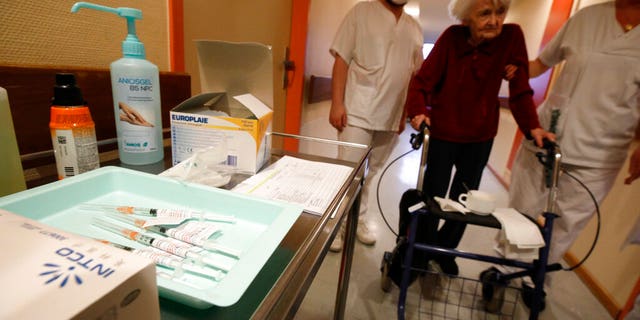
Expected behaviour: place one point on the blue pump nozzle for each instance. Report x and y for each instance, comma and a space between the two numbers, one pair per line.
131, 46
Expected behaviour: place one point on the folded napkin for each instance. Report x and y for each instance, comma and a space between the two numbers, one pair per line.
510, 251
450, 205
520, 237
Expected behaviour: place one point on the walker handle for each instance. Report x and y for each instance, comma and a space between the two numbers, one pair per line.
417, 138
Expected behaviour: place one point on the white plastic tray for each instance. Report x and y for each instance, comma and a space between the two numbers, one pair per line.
261, 224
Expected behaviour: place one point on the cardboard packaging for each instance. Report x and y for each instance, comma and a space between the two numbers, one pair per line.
47, 273
236, 126
10, 165
234, 112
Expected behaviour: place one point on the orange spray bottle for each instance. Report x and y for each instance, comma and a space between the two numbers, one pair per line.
73, 132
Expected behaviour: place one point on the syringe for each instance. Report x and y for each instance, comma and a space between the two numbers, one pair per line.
171, 261
179, 248
181, 233
181, 214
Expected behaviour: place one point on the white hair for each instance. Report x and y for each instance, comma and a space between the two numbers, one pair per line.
461, 9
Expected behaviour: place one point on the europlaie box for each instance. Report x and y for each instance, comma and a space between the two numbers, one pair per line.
236, 126
47, 273
233, 111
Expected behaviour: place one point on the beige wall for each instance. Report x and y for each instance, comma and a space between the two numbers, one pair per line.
585, 3
324, 19
614, 265
47, 33
530, 14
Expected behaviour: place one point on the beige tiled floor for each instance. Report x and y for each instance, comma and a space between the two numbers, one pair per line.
569, 298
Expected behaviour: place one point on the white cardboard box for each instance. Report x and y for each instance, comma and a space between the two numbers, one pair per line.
228, 70
47, 273
235, 125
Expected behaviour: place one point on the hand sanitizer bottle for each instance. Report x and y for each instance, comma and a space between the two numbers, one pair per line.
136, 95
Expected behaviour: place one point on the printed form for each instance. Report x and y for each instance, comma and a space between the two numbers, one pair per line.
311, 184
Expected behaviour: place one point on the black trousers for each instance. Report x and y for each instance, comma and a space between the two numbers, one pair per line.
469, 160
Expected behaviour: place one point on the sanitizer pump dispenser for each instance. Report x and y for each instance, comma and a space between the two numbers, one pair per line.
136, 95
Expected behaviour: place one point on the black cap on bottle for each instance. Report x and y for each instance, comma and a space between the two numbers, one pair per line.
65, 92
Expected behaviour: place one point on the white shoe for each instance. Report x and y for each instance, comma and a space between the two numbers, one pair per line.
364, 234
338, 241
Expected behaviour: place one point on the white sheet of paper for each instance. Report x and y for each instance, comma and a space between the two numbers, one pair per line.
312, 184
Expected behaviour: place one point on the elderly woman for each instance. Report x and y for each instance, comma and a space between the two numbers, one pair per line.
456, 94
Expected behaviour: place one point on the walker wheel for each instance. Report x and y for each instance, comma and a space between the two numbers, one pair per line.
385, 280
492, 290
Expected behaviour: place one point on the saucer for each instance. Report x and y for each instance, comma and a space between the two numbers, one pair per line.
480, 213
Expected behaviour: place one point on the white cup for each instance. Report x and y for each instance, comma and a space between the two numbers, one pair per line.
478, 202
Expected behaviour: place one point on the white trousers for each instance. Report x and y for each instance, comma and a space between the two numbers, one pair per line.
381, 142
528, 194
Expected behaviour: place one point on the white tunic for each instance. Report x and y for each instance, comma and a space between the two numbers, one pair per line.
382, 55
597, 92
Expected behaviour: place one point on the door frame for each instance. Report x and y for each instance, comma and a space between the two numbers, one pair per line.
558, 14
297, 54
